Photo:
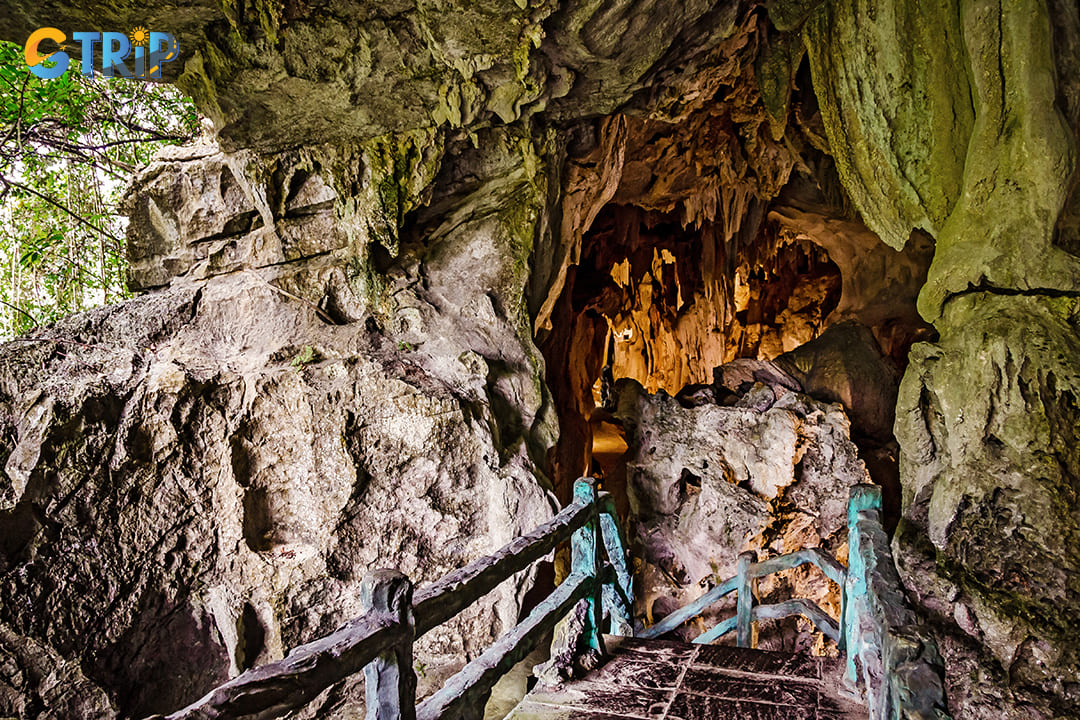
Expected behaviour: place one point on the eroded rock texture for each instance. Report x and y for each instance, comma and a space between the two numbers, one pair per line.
196, 481
769, 471
981, 159
372, 329
988, 422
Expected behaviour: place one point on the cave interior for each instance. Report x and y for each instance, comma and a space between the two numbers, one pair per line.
434, 261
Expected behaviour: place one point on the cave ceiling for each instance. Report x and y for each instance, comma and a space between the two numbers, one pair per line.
699, 110
278, 74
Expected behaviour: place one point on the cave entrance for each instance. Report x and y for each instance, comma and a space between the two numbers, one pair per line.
706, 230
663, 302
675, 263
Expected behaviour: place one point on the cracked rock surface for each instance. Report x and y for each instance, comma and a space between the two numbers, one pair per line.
770, 473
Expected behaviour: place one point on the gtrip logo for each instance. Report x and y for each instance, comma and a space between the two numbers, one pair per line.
148, 52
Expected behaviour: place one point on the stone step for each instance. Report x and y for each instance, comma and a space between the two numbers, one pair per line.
666, 680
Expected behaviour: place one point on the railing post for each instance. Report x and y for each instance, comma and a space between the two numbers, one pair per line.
744, 604
585, 559
842, 643
862, 497
390, 682
619, 593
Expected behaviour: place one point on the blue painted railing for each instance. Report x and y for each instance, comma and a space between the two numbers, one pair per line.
893, 660
890, 654
380, 643
748, 571
746, 612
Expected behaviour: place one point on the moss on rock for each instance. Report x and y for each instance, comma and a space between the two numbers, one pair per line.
896, 104
399, 168
989, 425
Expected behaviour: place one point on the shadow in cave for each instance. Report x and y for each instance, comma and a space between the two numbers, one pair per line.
665, 305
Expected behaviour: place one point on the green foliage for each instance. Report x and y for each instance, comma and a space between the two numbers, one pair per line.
305, 356
67, 149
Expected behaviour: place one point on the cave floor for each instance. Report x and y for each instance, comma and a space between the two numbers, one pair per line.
663, 680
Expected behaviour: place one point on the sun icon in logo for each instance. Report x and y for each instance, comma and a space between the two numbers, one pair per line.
140, 36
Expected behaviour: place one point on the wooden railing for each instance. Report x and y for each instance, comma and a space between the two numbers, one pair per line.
381, 641
890, 654
747, 573
897, 659
887, 653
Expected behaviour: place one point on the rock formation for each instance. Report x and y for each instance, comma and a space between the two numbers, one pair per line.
196, 481
371, 321
770, 472
984, 160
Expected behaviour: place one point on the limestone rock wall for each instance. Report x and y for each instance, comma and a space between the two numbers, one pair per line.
276, 75
963, 122
197, 480
987, 418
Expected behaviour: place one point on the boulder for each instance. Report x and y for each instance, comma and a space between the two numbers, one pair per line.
845, 365
708, 482
197, 480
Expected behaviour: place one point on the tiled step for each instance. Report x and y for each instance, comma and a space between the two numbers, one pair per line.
663, 680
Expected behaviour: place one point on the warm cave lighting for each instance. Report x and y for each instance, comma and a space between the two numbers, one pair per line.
315, 350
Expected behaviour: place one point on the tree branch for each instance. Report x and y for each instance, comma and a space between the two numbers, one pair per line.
18, 118
45, 249
16, 308
46, 198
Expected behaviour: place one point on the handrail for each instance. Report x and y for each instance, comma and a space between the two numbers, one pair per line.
748, 572
304, 673
902, 672
800, 606
300, 677
470, 687
443, 599
619, 595
688, 612
828, 565
876, 631
380, 641
870, 632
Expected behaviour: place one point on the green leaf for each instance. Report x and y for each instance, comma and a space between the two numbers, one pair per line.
77, 142
305, 356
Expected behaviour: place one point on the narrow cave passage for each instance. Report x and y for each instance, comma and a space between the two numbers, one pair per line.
665, 305
680, 301
705, 241
724, 351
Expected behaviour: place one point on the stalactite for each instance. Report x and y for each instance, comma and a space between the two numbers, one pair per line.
668, 218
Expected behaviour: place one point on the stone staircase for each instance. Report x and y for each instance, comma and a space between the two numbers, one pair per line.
664, 680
